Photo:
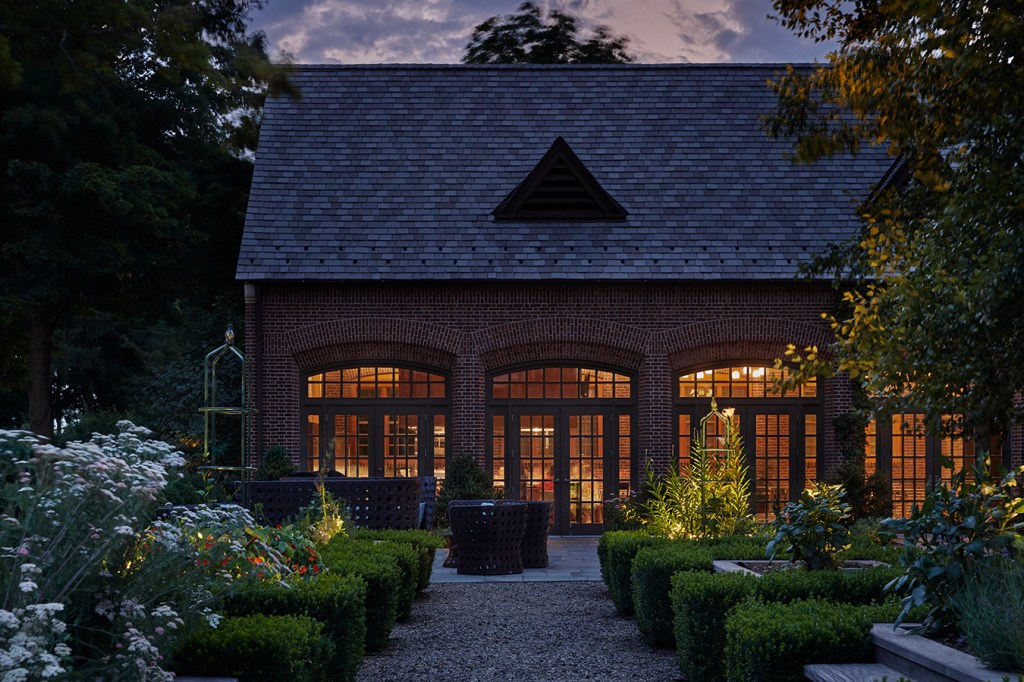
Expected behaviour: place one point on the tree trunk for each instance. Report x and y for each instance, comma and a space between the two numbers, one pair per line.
40, 350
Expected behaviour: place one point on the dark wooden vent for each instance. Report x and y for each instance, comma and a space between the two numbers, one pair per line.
559, 188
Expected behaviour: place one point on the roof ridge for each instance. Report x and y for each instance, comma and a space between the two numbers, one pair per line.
560, 67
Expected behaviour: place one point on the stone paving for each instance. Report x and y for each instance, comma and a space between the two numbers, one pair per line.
570, 559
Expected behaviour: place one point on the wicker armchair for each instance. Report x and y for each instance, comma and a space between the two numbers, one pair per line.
535, 537
488, 536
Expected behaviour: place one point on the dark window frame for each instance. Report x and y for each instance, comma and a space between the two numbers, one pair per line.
424, 408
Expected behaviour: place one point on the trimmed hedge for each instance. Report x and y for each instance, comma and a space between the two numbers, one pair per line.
383, 579
616, 551
337, 601
258, 649
424, 542
652, 573
773, 642
701, 602
408, 561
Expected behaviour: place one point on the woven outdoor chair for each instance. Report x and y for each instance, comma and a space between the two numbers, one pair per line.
488, 536
535, 536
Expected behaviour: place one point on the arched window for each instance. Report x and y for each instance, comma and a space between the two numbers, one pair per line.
565, 434
376, 420
780, 430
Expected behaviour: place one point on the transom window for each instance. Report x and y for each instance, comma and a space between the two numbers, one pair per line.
375, 382
741, 382
565, 383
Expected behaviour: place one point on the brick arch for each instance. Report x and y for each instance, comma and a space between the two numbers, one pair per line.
705, 343
559, 339
341, 341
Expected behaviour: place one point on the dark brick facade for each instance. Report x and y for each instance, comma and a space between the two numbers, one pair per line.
651, 330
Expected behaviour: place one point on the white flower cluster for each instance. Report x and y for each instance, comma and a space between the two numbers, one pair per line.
67, 521
31, 643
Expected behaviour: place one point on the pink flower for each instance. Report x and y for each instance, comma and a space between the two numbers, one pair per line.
159, 630
23, 550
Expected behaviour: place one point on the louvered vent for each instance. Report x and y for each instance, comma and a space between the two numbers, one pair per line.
559, 188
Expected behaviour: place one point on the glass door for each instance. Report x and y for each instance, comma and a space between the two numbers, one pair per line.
561, 457
584, 474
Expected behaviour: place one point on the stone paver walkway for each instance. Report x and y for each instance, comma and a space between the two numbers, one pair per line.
570, 559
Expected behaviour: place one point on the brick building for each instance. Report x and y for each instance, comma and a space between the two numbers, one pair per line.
552, 268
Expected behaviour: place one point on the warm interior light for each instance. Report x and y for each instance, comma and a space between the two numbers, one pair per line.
759, 372
735, 374
700, 375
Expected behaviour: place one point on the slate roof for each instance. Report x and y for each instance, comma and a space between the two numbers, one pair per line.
392, 172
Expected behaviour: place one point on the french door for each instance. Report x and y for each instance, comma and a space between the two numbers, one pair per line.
568, 455
385, 441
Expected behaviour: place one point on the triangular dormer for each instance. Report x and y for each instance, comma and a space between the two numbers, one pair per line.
559, 188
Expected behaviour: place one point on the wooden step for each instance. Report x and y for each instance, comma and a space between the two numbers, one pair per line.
853, 672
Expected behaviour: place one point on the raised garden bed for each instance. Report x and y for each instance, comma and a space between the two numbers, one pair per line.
925, 660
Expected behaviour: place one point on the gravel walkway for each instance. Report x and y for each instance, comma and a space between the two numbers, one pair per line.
527, 632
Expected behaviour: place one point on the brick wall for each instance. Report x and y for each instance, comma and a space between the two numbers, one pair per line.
653, 331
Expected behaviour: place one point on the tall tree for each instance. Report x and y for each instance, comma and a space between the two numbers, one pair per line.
117, 119
529, 38
934, 283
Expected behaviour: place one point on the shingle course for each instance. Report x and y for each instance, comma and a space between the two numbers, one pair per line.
391, 172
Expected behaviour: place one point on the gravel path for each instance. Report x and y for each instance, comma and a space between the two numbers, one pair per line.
527, 632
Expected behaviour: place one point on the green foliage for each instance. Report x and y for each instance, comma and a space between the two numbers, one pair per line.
529, 38
711, 497
773, 642
932, 284
424, 542
408, 561
616, 551
338, 602
957, 529
622, 513
700, 602
814, 529
323, 518
868, 496
274, 465
464, 479
652, 573
384, 583
259, 648
120, 193
989, 609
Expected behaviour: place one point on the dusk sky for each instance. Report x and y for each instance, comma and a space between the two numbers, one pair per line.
436, 31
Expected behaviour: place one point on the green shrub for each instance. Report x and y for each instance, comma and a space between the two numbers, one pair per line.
773, 642
383, 578
700, 603
275, 464
407, 560
989, 608
424, 542
814, 529
622, 514
464, 479
958, 529
710, 496
616, 551
847, 587
258, 648
652, 573
339, 602
736, 547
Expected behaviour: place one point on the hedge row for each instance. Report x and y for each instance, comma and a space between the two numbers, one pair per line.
336, 601
259, 648
702, 602
317, 629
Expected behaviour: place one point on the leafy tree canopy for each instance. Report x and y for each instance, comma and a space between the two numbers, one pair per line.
933, 314
120, 181
529, 38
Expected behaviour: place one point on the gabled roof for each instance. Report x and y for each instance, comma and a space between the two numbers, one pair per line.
393, 172
560, 188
